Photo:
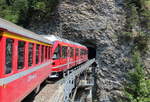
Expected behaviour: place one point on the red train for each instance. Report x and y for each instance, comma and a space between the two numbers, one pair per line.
27, 59
65, 54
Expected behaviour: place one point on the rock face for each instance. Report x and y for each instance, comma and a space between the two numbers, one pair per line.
97, 24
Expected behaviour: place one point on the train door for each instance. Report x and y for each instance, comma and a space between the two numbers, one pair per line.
72, 57
56, 58
64, 57
79, 56
76, 55
68, 57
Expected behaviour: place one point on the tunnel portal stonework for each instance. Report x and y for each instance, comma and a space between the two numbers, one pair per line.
96, 24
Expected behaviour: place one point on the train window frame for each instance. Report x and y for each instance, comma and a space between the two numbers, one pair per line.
71, 52
85, 52
37, 60
64, 51
57, 53
12, 52
32, 52
42, 53
77, 52
46, 52
82, 52
20, 55
49, 52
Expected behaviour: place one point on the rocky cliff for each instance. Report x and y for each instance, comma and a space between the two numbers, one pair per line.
98, 24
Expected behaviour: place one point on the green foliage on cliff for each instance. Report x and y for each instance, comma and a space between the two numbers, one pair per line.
23, 11
139, 13
138, 23
145, 13
138, 87
141, 43
132, 18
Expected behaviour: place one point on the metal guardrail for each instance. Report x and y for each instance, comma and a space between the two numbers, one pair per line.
69, 80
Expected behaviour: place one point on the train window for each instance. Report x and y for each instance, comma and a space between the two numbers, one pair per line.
77, 52
21, 53
64, 51
42, 53
71, 52
30, 56
49, 52
37, 53
46, 50
57, 53
82, 52
85, 52
9, 52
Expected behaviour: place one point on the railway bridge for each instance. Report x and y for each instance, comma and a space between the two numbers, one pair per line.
75, 86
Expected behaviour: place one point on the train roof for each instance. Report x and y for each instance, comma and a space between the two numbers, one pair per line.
54, 38
10, 27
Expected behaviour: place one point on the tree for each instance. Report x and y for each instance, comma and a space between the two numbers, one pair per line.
138, 87
23, 11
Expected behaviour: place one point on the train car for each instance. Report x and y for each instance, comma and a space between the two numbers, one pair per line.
25, 61
66, 54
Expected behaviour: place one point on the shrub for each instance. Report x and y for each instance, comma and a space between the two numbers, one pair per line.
138, 87
141, 43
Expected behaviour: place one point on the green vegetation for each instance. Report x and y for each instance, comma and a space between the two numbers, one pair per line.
145, 13
138, 23
138, 87
139, 14
137, 31
23, 11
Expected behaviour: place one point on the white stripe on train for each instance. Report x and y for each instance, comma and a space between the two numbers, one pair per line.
11, 78
67, 64
21, 74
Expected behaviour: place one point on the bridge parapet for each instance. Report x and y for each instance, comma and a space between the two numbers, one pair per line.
69, 84
70, 79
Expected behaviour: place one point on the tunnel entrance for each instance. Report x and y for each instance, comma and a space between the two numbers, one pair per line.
91, 48
91, 52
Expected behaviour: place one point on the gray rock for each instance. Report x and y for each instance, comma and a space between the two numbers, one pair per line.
96, 23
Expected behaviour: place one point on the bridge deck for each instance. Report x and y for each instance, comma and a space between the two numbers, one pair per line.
50, 93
